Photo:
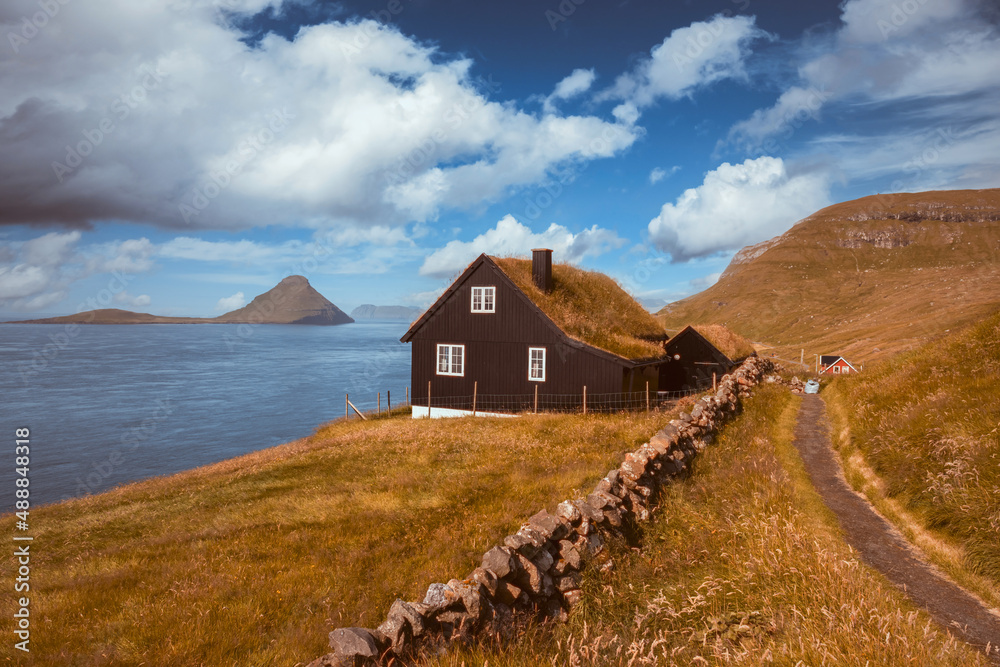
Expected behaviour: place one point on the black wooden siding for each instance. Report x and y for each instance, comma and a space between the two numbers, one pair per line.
699, 359
496, 348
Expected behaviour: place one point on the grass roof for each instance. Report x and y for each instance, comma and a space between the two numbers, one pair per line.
726, 340
592, 308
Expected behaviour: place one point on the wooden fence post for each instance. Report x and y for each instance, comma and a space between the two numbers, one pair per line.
407, 398
713, 382
475, 389
363, 418
647, 395
536, 399
388, 401
584, 399
379, 403
428, 399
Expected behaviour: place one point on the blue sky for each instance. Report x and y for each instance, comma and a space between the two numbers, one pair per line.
181, 157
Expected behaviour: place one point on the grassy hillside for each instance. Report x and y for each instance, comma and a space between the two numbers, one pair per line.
741, 566
864, 278
928, 425
253, 561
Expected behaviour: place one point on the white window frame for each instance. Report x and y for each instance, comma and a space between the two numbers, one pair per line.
531, 351
487, 293
451, 359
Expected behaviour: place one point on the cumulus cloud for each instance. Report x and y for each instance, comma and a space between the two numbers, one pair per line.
575, 84
688, 59
159, 113
229, 303
925, 65
38, 272
510, 237
737, 205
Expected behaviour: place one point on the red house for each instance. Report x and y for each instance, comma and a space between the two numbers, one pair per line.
835, 365
508, 326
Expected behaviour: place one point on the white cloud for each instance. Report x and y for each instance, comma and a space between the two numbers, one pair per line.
126, 299
689, 58
510, 237
347, 123
658, 174
575, 84
38, 272
737, 205
928, 65
226, 304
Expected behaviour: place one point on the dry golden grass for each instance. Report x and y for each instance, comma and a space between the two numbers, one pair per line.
253, 561
741, 565
591, 307
920, 436
727, 341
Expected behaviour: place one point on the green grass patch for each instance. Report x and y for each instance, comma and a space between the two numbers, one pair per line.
252, 561
741, 565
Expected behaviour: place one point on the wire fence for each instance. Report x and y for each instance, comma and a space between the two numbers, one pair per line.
582, 402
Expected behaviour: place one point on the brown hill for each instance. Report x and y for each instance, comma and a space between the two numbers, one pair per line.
292, 301
863, 278
114, 316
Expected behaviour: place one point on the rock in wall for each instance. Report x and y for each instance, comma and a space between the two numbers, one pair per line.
536, 571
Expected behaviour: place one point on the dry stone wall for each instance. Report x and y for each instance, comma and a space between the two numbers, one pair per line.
535, 573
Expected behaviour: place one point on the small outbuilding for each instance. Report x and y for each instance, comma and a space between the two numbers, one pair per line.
831, 364
691, 361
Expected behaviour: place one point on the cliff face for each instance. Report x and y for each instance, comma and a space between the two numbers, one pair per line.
292, 301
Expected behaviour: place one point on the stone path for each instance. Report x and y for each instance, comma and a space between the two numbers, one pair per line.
881, 546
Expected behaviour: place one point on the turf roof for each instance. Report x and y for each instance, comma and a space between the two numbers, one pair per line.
592, 308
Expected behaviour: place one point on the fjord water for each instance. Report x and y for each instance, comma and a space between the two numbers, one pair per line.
110, 404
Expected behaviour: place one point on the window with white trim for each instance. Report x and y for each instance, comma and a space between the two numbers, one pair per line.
451, 360
484, 299
536, 364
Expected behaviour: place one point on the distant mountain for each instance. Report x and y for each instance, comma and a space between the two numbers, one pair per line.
372, 312
292, 301
863, 278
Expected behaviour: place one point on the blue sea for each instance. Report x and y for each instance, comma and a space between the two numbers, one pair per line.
110, 404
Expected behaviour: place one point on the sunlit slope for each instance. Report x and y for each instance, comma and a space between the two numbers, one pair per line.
863, 278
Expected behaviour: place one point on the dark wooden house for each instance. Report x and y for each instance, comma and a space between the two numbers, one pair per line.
507, 326
835, 365
690, 362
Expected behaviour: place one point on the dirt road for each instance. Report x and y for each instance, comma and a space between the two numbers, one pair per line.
881, 546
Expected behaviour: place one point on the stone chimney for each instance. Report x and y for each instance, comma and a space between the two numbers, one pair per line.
541, 268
